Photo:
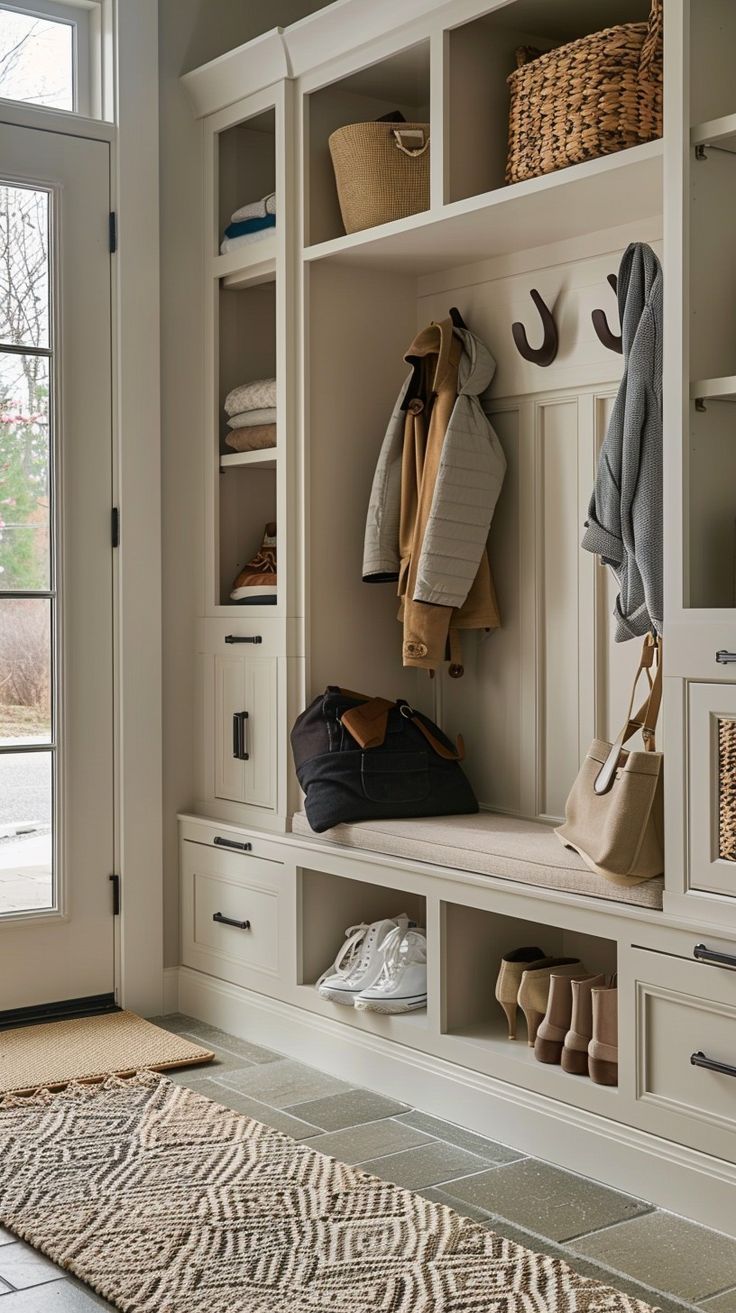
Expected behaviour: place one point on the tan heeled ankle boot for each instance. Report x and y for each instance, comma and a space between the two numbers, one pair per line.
574, 1055
556, 1022
534, 988
603, 1047
513, 966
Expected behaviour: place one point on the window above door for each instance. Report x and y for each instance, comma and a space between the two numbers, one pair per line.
51, 54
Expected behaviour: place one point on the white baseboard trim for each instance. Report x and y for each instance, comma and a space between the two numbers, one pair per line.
670, 1175
171, 990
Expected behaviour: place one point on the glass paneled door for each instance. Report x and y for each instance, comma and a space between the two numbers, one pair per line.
56, 572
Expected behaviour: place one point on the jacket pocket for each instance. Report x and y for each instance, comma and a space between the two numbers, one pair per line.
395, 776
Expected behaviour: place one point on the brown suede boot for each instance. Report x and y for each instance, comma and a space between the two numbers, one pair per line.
580, 1031
513, 966
603, 1047
534, 988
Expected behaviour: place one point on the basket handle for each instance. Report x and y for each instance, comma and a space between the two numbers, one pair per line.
653, 39
412, 151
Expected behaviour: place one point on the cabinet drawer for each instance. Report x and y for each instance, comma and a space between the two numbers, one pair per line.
683, 1009
219, 888
712, 784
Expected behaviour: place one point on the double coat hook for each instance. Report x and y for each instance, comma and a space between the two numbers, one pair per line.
547, 352
601, 326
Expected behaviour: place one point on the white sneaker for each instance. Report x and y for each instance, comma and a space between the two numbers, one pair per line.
402, 983
360, 960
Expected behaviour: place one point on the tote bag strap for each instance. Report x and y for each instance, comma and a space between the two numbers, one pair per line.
645, 719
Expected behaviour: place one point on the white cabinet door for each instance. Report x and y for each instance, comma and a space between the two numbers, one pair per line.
245, 728
712, 780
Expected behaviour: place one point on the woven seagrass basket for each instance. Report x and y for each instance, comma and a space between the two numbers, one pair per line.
593, 97
727, 790
381, 172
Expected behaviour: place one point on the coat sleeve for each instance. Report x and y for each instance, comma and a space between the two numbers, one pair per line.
469, 480
381, 559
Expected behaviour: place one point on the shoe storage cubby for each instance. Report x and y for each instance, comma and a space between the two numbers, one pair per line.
473, 945
329, 904
399, 83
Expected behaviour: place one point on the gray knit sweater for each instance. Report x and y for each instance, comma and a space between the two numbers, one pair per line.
624, 524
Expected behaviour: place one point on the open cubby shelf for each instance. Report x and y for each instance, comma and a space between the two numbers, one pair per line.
615, 189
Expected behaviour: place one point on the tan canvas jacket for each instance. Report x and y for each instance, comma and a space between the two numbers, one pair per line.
435, 489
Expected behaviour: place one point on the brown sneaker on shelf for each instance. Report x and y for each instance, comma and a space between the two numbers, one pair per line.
256, 583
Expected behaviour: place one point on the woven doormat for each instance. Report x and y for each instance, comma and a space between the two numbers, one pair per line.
160, 1199
89, 1048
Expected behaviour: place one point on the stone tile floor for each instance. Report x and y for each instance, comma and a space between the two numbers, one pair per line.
624, 1242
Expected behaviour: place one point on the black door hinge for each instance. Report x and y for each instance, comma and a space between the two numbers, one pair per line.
113, 231
115, 882
115, 526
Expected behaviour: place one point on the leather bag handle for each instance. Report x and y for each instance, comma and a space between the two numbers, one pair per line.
368, 723
645, 719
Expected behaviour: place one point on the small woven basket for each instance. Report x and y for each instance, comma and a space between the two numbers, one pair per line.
593, 97
727, 790
381, 172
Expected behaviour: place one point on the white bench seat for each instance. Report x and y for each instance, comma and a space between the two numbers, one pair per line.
488, 844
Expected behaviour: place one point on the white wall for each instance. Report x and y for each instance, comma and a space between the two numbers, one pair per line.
190, 33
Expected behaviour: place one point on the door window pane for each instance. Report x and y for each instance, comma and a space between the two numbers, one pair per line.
26, 848
25, 671
24, 265
24, 473
36, 60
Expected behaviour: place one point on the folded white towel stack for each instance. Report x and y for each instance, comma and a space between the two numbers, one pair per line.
256, 209
250, 419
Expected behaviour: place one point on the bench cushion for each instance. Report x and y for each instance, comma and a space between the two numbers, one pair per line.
488, 844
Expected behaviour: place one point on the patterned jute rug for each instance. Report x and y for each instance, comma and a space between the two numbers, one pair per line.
165, 1202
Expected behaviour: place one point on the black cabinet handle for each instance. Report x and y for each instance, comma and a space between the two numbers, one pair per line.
711, 1064
725, 658
253, 638
232, 843
704, 954
240, 736
228, 920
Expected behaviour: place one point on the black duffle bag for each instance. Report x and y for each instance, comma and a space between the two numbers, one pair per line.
363, 759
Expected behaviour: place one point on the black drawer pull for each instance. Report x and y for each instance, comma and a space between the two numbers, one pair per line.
711, 1064
704, 954
240, 736
232, 843
255, 638
725, 658
228, 920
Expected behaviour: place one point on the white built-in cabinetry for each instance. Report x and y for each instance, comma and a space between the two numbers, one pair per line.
332, 315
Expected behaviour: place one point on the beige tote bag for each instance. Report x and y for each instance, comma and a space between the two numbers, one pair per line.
614, 816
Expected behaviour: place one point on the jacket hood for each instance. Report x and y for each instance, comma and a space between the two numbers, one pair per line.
476, 366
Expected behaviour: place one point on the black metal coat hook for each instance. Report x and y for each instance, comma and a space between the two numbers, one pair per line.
456, 317
546, 353
600, 324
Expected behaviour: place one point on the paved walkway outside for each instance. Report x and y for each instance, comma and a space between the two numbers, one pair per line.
624, 1242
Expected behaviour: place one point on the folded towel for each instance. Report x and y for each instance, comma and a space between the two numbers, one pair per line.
252, 418
232, 243
250, 226
256, 438
256, 209
251, 396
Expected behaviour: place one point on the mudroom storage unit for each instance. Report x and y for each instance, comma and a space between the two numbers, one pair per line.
338, 312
